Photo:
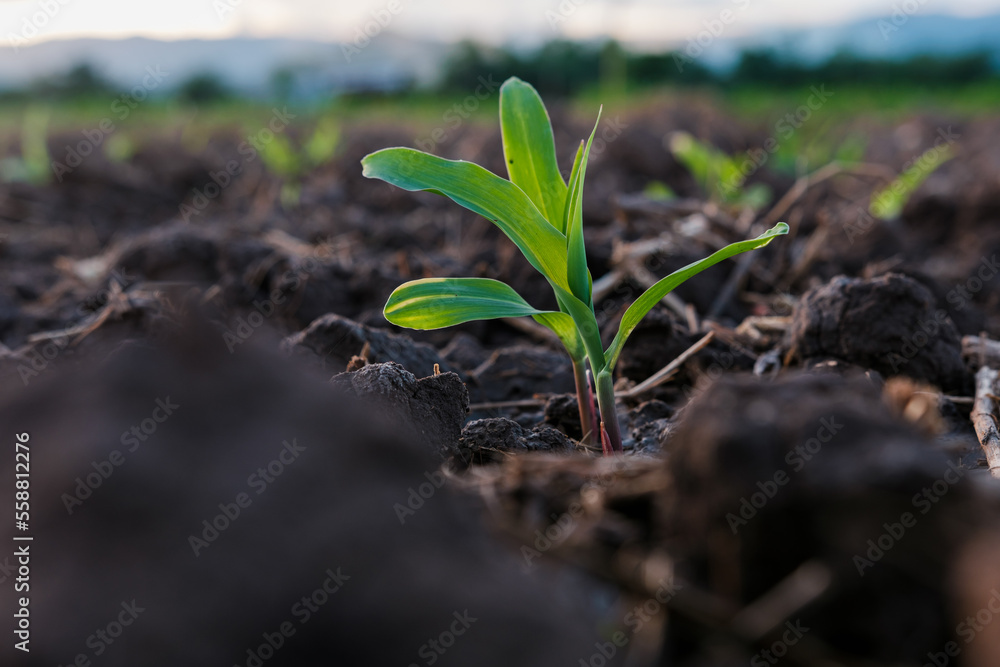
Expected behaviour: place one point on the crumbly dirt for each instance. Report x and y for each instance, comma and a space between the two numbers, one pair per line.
112, 297
889, 324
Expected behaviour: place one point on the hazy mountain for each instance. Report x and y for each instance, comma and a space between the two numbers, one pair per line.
247, 64
891, 37
897, 36
390, 60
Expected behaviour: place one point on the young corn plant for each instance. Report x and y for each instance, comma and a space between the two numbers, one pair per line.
33, 164
292, 163
888, 203
543, 215
719, 175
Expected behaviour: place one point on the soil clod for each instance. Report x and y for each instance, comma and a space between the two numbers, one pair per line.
888, 324
490, 440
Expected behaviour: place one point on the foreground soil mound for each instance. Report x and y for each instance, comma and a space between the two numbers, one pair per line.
231, 510
805, 501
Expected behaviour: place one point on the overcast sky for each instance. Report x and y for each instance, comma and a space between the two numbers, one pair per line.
490, 20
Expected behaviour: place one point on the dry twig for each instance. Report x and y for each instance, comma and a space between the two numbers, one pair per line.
984, 418
665, 373
982, 350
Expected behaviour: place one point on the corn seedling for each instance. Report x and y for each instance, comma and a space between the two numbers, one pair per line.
291, 163
720, 176
889, 202
801, 152
543, 215
33, 164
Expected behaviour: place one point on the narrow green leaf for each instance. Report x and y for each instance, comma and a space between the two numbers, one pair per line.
483, 192
889, 202
718, 174
586, 324
578, 276
654, 294
562, 325
529, 148
435, 303
568, 204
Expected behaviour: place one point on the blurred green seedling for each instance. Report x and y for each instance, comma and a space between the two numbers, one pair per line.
888, 203
720, 176
292, 162
32, 166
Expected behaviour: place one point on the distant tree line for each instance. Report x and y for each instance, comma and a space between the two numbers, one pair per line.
563, 68
82, 82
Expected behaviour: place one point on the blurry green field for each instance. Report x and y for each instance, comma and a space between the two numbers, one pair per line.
422, 112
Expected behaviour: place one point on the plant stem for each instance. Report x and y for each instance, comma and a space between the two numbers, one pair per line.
609, 417
586, 402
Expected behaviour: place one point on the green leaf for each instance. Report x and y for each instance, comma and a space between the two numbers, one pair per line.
888, 203
529, 148
718, 174
755, 196
435, 303
586, 324
563, 326
281, 158
568, 204
654, 294
485, 193
323, 142
578, 276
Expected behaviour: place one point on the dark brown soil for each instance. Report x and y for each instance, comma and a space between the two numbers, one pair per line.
888, 324
110, 297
